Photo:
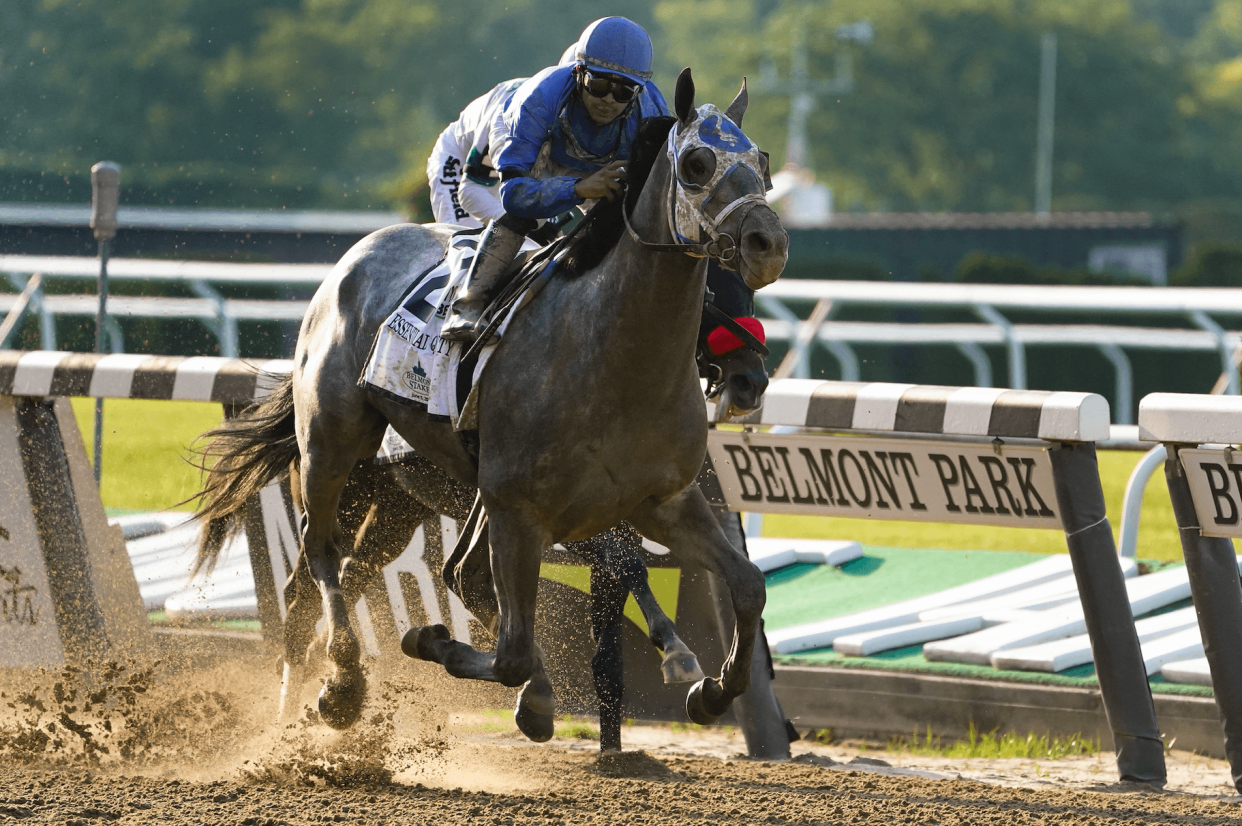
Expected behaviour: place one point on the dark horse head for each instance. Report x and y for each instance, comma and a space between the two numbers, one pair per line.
731, 360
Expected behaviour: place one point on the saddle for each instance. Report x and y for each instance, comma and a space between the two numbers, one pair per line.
410, 363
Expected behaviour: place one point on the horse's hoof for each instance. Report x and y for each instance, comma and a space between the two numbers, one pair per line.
340, 703
419, 643
535, 710
681, 668
536, 727
706, 702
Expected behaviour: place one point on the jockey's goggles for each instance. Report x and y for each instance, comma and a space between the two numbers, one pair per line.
600, 85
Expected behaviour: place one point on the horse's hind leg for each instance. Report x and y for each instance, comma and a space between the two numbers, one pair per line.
687, 526
302, 599
325, 470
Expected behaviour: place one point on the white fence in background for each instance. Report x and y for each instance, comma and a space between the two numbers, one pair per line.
1204, 312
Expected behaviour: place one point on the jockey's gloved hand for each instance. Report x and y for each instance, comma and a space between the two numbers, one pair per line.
551, 228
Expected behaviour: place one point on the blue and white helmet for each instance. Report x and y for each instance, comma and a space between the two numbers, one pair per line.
617, 46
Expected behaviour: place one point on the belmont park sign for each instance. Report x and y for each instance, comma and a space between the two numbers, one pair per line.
912, 480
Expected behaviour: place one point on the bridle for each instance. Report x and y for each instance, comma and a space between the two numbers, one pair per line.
687, 203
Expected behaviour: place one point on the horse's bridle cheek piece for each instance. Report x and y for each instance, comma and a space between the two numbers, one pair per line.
687, 214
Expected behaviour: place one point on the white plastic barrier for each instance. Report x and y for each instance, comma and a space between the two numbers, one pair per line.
969, 455
1204, 478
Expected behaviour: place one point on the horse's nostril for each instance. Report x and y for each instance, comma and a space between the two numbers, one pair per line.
758, 242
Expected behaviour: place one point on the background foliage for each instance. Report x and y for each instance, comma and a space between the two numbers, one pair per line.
335, 103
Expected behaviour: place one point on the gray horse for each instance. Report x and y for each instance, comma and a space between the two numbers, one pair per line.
589, 414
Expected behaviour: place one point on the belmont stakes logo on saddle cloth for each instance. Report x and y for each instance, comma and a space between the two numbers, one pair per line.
409, 362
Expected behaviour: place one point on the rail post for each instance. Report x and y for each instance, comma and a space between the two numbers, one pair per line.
105, 193
1214, 587
1119, 667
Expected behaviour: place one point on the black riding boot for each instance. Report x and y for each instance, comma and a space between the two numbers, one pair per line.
498, 246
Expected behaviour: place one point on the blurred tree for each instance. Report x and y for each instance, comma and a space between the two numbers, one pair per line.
334, 103
943, 112
327, 103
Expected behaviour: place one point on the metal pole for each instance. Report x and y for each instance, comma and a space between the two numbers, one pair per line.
1047, 105
105, 193
1213, 571
1119, 667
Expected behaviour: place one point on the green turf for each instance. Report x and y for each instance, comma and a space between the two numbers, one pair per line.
805, 593
911, 660
145, 447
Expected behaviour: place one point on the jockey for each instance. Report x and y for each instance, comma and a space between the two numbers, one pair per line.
568, 132
460, 170
463, 183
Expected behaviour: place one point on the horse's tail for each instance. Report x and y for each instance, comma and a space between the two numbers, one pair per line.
249, 451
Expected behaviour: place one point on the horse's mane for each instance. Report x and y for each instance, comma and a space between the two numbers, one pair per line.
602, 226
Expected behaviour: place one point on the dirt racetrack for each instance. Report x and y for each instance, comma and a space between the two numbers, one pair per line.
156, 745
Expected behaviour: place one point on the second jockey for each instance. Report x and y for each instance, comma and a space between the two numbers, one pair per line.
463, 183
567, 134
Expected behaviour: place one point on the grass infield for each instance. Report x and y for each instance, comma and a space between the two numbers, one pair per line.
146, 467
146, 450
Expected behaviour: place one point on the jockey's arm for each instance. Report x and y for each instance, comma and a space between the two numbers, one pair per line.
479, 193
528, 197
480, 201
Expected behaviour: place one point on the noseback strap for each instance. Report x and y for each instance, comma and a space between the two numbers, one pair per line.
734, 333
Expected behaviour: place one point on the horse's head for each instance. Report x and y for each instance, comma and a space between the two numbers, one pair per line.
718, 191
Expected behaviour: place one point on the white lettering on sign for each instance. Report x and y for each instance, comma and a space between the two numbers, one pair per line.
919, 481
1215, 478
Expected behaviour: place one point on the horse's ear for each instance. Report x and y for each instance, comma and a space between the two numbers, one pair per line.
683, 97
738, 107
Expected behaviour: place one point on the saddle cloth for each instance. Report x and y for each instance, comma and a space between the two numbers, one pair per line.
410, 363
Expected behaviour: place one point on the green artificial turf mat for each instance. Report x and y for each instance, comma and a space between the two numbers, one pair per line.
804, 593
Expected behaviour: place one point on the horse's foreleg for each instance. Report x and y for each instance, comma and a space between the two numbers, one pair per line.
608, 665
686, 525
468, 573
517, 544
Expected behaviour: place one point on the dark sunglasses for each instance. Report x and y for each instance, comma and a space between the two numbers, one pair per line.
623, 91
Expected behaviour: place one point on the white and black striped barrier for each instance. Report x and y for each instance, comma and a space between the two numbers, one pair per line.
67, 592
957, 455
1204, 476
